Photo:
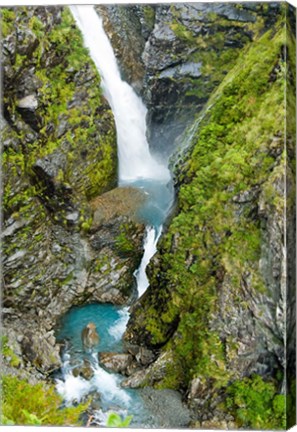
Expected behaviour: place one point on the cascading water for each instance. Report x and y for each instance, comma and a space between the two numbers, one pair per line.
139, 169
135, 160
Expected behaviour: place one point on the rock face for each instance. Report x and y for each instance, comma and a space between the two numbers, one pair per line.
59, 154
122, 201
114, 362
176, 55
216, 306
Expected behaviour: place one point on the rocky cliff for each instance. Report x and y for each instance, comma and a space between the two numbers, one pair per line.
59, 155
212, 322
176, 55
215, 311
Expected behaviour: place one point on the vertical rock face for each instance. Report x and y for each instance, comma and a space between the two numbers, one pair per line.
216, 305
181, 52
59, 152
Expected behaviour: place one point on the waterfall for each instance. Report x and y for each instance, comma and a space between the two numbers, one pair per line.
135, 160
150, 248
139, 169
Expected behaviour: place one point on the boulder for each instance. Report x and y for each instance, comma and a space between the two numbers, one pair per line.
115, 362
29, 102
85, 370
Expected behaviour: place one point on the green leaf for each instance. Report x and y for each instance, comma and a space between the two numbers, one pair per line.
114, 420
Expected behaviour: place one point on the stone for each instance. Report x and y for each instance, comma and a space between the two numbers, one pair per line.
115, 362
29, 102
145, 356
85, 370
41, 352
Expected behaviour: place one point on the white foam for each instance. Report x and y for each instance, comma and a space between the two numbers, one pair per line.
119, 327
73, 389
150, 248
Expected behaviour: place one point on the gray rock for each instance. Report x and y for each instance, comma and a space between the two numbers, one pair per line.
29, 102
115, 362
39, 350
166, 408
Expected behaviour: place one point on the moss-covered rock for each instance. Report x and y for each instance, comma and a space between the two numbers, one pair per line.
216, 300
59, 152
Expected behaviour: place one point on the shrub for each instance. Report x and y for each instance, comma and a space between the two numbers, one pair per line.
24, 403
256, 404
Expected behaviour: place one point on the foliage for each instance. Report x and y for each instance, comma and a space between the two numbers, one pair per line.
89, 128
27, 404
215, 235
123, 241
256, 404
115, 420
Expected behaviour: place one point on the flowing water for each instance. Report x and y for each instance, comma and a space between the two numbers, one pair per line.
135, 160
137, 168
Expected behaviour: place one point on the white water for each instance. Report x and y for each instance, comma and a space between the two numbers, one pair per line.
135, 163
135, 160
120, 325
74, 389
150, 248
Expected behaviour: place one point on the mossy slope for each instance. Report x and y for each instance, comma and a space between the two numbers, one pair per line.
59, 151
216, 300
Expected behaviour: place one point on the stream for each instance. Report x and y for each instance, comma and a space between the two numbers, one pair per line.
137, 168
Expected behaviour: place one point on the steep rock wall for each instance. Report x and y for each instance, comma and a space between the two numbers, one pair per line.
215, 310
176, 55
59, 153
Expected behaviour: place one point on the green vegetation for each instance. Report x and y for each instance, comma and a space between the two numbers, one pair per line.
115, 420
27, 404
8, 354
215, 238
124, 242
89, 126
7, 21
256, 404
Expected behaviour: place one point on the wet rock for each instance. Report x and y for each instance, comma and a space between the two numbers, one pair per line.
145, 356
85, 370
136, 380
114, 362
128, 30
153, 374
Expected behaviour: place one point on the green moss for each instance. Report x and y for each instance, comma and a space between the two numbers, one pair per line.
123, 241
7, 16
8, 354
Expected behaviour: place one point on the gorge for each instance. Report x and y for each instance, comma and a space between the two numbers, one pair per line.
199, 288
